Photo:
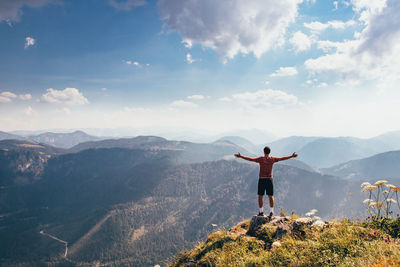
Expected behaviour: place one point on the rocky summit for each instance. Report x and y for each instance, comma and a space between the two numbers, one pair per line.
295, 241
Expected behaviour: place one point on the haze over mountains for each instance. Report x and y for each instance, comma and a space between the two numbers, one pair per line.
385, 164
140, 200
317, 152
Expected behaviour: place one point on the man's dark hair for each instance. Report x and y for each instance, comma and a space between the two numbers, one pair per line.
267, 150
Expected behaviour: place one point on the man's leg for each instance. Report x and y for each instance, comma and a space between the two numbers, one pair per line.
270, 194
260, 205
260, 192
260, 201
271, 201
271, 205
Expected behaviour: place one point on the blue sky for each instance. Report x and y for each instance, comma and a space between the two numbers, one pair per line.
290, 67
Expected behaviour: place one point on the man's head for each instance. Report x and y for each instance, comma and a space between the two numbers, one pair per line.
267, 150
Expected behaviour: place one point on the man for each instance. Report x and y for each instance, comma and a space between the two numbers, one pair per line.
265, 181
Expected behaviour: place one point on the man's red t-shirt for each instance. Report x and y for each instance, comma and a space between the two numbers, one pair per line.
266, 164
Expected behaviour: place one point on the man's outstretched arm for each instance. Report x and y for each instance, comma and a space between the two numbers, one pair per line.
245, 158
294, 155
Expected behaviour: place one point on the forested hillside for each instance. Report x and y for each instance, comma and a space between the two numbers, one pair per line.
135, 206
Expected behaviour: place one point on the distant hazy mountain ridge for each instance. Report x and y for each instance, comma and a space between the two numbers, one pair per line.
381, 166
63, 140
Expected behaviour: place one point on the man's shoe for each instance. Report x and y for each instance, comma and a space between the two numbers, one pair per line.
261, 214
270, 215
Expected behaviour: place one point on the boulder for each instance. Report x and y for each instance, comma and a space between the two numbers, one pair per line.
279, 219
191, 263
299, 225
282, 230
304, 220
256, 223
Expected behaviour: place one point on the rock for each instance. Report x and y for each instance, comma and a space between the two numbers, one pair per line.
276, 244
256, 223
304, 220
318, 223
282, 230
278, 219
299, 224
191, 263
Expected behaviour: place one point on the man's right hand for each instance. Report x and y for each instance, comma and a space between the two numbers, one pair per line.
238, 155
294, 155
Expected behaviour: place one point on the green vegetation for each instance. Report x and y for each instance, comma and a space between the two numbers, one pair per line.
339, 243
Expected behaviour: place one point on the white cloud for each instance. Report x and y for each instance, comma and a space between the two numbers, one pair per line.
4, 99
11, 10
285, 71
225, 99
29, 41
66, 96
64, 110
265, 98
317, 26
126, 5
230, 27
375, 55
8, 95
335, 3
328, 46
300, 41
368, 8
196, 97
189, 58
323, 85
30, 111
135, 63
25, 96
183, 104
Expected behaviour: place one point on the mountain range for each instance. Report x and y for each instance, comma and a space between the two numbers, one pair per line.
138, 201
316, 152
60, 140
381, 166
323, 152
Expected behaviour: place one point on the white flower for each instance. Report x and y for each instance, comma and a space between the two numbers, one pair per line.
371, 187
367, 201
276, 244
311, 212
365, 184
391, 186
371, 204
380, 182
386, 192
391, 200
316, 218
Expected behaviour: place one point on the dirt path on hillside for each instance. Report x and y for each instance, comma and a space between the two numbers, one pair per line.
78, 244
57, 239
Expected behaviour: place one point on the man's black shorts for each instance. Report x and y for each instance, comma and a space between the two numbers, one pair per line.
265, 185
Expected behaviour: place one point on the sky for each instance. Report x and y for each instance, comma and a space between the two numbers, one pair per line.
289, 67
